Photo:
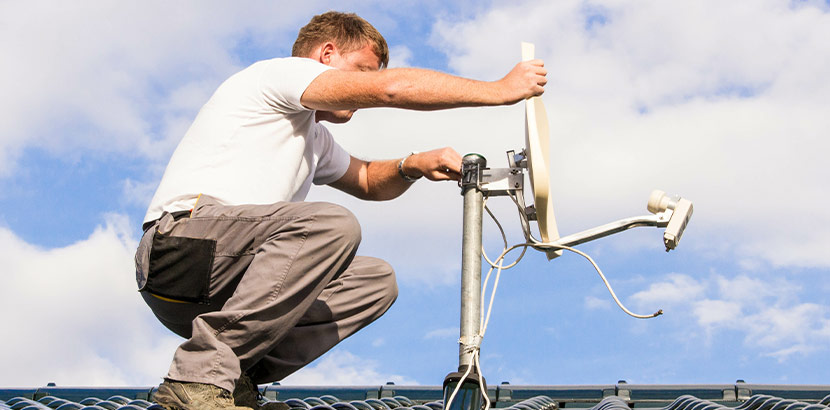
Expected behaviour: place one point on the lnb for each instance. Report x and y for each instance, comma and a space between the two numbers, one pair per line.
677, 209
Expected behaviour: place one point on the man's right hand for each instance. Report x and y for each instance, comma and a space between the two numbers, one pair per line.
525, 80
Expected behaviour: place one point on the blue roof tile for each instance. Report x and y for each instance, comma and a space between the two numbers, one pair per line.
621, 396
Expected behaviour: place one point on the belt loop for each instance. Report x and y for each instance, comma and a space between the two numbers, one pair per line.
148, 225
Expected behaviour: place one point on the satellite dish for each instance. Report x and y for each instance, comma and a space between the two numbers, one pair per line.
537, 148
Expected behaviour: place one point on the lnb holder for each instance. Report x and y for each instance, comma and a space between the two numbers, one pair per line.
670, 212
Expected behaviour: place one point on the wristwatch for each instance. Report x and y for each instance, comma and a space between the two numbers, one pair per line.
403, 174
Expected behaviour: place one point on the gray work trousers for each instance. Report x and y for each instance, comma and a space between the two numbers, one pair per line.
264, 289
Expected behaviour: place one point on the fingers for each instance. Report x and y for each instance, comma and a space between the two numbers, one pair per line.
450, 164
443, 164
447, 165
537, 63
445, 174
536, 74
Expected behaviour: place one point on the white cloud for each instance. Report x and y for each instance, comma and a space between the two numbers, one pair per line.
768, 313
716, 312
595, 303
75, 315
724, 104
678, 289
339, 367
137, 192
783, 326
400, 56
104, 78
443, 333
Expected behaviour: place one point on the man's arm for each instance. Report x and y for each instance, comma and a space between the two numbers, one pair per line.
380, 180
420, 89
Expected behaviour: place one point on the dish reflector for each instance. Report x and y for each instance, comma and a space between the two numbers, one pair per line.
537, 135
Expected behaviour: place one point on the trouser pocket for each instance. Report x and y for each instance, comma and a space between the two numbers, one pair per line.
180, 267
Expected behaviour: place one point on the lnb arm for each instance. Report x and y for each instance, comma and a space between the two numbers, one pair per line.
672, 213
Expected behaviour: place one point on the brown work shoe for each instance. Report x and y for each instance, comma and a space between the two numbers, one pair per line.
173, 395
247, 394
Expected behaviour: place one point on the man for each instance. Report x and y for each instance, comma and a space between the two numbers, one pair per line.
258, 281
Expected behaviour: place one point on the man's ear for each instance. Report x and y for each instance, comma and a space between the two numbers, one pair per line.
327, 52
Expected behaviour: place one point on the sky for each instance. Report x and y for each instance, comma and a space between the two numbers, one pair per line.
724, 103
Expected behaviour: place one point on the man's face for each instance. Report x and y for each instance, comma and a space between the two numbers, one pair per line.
362, 59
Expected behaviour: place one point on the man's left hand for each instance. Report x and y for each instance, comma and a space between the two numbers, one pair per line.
443, 164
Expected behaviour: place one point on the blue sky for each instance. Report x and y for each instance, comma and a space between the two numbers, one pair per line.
723, 103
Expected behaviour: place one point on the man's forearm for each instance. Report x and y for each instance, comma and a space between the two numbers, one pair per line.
381, 180
384, 181
373, 180
387, 182
420, 89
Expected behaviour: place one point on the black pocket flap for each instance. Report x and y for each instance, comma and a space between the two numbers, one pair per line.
180, 268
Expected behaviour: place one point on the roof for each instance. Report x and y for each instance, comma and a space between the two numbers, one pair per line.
619, 396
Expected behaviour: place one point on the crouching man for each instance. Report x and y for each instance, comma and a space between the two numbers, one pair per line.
259, 282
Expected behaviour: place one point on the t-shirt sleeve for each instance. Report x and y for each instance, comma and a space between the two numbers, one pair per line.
284, 81
332, 160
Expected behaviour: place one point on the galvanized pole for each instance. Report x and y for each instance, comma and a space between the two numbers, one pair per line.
466, 385
473, 164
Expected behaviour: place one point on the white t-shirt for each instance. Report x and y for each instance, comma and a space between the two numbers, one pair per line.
253, 143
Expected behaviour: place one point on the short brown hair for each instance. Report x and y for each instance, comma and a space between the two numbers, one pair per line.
348, 31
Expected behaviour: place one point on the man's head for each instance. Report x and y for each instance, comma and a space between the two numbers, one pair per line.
348, 31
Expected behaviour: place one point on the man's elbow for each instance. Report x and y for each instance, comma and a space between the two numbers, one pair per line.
391, 89
378, 196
